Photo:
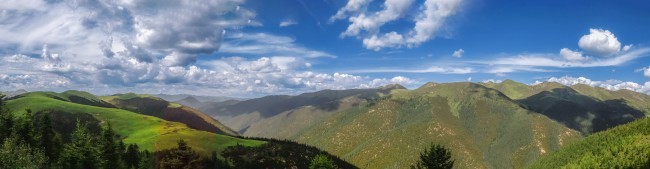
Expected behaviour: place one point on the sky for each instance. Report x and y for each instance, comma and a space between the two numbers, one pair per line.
251, 48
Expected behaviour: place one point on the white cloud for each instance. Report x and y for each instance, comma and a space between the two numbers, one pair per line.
267, 44
608, 84
287, 22
82, 31
645, 70
600, 42
571, 55
366, 25
458, 53
227, 76
432, 69
492, 81
392, 10
552, 60
353, 6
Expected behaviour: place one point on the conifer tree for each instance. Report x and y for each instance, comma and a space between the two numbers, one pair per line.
434, 157
109, 148
80, 153
6, 120
322, 162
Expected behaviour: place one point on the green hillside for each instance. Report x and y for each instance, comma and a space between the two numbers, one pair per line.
287, 115
170, 111
482, 127
150, 133
625, 146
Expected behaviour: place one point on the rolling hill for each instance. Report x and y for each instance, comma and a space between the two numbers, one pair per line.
153, 106
156, 134
150, 133
288, 114
482, 127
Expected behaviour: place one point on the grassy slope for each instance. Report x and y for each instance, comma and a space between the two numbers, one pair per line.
625, 146
148, 132
289, 124
150, 105
482, 127
241, 116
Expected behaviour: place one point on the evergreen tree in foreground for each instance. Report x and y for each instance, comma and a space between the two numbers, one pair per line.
81, 152
181, 157
322, 162
435, 157
6, 120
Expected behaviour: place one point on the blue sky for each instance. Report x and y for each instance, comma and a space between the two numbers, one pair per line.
253, 48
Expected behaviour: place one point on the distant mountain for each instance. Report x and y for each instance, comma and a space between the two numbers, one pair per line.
581, 107
190, 102
482, 127
625, 146
288, 114
153, 106
9, 94
486, 125
178, 97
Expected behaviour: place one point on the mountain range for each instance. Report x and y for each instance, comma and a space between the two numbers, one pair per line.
484, 125
487, 125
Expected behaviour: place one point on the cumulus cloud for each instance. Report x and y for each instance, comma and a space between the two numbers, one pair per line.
352, 7
608, 84
366, 25
287, 22
492, 81
231, 75
569, 54
600, 42
85, 30
458, 53
145, 46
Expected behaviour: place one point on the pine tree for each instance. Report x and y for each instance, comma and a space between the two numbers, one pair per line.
132, 156
6, 120
14, 154
215, 162
435, 157
80, 153
23, 129
322, 162
46, 137
109, 148
180, 157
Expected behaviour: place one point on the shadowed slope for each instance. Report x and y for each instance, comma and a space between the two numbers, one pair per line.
149, 105
582, 113
243, 116
482, 127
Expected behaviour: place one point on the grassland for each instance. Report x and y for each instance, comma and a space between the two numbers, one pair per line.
625, 146
148, 132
